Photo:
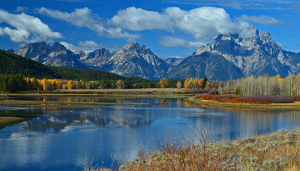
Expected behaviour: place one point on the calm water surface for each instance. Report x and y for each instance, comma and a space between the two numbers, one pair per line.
70, 139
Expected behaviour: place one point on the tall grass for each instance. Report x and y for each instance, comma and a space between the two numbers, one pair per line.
248, 99
274, 151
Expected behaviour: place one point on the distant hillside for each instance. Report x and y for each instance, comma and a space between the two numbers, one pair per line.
14, 64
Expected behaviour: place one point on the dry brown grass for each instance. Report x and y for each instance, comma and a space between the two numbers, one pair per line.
121, 91
245, 99
178, 156
275, 151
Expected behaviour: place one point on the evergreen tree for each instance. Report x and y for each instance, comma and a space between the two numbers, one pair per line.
35, 84
204, 82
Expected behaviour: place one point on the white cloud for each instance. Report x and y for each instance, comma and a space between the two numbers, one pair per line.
22, 9
169, 41
137, 19
265, 20
297, 46
25, 28
89, 46
233, 4
83, 17
202, 23
282, 45
70, 46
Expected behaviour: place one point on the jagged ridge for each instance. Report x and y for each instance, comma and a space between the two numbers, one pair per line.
227, 57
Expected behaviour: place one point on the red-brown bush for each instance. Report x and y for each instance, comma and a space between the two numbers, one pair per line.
247, 99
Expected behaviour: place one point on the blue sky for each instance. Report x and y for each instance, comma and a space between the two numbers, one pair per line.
170, 28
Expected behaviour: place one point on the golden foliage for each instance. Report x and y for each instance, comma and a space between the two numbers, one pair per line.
70, 85
120, 84
65, 86
163, 82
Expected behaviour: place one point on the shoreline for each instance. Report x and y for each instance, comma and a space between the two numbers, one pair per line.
175, 93
112, 91
278, 150
272, 106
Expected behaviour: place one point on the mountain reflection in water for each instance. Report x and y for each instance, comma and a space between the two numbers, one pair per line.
60, 119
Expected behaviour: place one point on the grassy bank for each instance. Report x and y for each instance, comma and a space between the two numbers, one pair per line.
62, 104
9, 120
153, 91
275, 151
259, 103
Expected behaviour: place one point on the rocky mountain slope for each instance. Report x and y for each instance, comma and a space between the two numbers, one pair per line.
95, 59
136, 60
214, 66
173, 61
55, 55
131, 60
255, 55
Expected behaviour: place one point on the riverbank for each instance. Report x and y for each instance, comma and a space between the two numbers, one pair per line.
153, 91
9, 120
274, 151
213, 101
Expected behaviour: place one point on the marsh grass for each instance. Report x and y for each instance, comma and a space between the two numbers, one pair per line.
247, 99
8, 120
227, 105
115, 91
274, 151
53, 105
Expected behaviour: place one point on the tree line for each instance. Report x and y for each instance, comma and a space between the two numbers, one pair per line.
18, 82
12, 64
268, 86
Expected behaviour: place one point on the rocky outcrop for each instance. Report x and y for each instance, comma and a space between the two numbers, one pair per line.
173, 61
136, 60
255, 55
97, 58
55, 55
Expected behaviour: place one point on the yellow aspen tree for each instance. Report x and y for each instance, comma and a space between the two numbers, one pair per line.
64, 86
186, 83
193, 83
70, 85
120, 84
163, 82
43, 83
56, 83
208, 85
200, 82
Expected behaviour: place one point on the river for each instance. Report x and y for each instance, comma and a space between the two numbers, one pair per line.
69, 139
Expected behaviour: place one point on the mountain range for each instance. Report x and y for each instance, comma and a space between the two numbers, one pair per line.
229, 56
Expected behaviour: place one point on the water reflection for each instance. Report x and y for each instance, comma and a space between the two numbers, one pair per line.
230, 124
73, 98
60, 119
61, 139
25, 113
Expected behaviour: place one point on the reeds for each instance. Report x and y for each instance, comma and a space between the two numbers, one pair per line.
247, 99
174, 155
275, 151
